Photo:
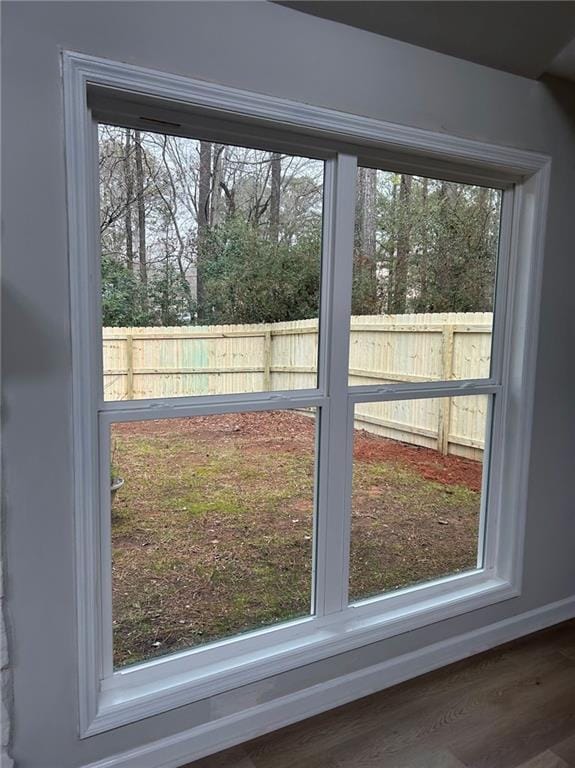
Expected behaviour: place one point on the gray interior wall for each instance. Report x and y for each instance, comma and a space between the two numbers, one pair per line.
267, 48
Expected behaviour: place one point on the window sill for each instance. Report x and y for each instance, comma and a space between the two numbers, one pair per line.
149, 689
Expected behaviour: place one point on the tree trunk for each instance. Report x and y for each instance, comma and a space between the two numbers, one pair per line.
485, 277
216, 203
403, 241
141, 220
424, 260
276, 172
129, 184
204, 186
393, 253
365, 272
443, 259
369, 220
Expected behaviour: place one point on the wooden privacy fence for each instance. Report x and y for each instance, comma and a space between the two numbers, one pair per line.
219, 359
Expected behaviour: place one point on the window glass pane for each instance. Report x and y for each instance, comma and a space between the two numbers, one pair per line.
417, 491
424, 266
210, 266
212, 528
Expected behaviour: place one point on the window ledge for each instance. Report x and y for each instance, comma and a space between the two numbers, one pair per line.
149, 689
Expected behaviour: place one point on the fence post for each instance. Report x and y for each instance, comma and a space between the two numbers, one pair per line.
447, 341
268, 359
129, 365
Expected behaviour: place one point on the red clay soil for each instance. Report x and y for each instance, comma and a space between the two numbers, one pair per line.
292, 429
448, 470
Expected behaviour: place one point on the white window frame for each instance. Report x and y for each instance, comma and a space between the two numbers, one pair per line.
109, 699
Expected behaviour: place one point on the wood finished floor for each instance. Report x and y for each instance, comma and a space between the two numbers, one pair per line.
513, 707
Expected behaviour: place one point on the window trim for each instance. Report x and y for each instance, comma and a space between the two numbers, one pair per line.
103, 705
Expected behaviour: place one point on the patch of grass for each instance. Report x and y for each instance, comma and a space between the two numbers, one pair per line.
406, 529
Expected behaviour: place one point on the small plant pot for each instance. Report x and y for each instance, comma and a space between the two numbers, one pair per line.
117, 483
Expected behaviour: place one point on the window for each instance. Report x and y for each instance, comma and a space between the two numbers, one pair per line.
416, 512
210, 266
212, 528
302, 382
424, 268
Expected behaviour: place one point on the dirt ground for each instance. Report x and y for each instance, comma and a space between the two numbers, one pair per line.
213, 528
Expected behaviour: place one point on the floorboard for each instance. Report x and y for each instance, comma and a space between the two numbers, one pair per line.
513, 707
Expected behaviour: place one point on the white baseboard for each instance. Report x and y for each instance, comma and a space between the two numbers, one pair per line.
175, 751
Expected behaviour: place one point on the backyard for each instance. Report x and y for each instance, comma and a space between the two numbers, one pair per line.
213, 528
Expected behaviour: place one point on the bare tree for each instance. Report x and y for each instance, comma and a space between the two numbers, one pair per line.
170, 200
161, 195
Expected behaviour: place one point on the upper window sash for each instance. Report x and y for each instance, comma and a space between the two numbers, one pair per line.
328, 306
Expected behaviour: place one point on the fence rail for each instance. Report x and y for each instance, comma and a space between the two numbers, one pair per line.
167, 362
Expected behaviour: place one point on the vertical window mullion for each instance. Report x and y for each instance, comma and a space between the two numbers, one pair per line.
94, 274
499, 342
322, 428
105, 565
484, 550
333, 533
